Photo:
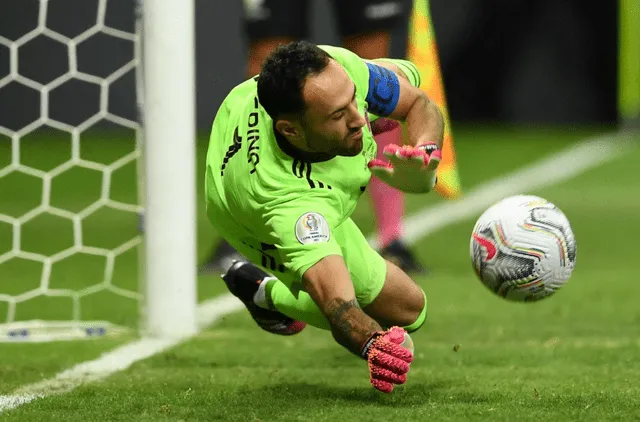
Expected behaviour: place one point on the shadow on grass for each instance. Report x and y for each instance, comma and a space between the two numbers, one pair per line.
308, 400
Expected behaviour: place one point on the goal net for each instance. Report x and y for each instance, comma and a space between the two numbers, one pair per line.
72, 255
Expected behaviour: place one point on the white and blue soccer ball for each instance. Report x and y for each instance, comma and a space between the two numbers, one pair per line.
523, 248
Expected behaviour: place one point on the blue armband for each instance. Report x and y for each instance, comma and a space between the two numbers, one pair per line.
384, 90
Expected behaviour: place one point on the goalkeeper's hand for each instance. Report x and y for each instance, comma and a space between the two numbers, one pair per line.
388, 359
409, 169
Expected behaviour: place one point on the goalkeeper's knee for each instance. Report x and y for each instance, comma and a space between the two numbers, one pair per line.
419, 322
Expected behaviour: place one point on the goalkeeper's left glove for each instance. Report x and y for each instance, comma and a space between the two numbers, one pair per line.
410, 169
388, 357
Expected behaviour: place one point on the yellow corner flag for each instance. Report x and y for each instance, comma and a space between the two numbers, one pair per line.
422, 51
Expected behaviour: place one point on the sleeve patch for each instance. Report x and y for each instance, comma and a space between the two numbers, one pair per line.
384, 90
312, 227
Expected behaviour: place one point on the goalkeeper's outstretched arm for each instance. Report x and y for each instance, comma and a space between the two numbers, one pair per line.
329, 284
394, 93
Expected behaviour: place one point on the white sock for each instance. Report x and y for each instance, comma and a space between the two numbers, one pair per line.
260, 297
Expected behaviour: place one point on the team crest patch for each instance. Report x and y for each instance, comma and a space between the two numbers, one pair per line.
312, 227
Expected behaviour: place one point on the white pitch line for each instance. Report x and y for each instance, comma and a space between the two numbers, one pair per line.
117, 359
550, 170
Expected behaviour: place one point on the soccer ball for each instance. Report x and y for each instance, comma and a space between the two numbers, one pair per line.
523, 248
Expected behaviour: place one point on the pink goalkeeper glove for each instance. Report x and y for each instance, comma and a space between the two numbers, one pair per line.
388, 359
410, 169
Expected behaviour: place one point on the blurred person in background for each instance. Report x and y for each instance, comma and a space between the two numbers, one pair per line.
365, 28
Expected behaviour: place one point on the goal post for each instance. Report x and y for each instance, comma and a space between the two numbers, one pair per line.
169, 125
79, 162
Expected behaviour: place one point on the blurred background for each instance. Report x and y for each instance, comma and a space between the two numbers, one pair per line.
542, 61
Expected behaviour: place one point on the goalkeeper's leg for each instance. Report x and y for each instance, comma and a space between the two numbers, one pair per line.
401, 302
248, 283
383, 290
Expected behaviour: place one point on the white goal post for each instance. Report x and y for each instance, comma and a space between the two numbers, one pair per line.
169, 122
38, 276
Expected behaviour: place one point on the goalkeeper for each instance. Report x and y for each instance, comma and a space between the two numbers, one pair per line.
290, 153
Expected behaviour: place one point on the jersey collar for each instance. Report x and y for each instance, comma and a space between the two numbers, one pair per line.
296, 153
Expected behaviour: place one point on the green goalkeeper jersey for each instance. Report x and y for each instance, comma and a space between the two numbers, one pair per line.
280, 208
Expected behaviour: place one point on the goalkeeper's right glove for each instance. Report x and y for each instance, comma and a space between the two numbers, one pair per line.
388, 359
409, 169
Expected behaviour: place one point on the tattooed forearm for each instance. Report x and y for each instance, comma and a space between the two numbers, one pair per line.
351, 327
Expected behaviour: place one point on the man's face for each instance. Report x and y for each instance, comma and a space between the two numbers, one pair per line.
331, 122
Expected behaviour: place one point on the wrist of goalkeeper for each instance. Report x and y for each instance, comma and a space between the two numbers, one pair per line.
428, 147
394, 335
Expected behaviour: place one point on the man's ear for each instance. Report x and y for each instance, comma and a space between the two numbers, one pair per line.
287, 128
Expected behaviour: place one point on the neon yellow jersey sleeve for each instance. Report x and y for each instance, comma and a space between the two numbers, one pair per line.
407, 67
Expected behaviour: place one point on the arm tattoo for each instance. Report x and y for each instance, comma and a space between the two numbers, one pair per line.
350, 325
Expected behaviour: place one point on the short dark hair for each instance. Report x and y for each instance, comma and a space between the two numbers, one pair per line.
283, 76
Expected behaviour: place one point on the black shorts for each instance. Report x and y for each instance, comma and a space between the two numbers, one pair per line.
291, 19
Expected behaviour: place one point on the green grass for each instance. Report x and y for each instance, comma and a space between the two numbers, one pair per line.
24, 363
570, 357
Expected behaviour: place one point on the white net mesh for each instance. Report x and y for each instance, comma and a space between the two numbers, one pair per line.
69, 157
